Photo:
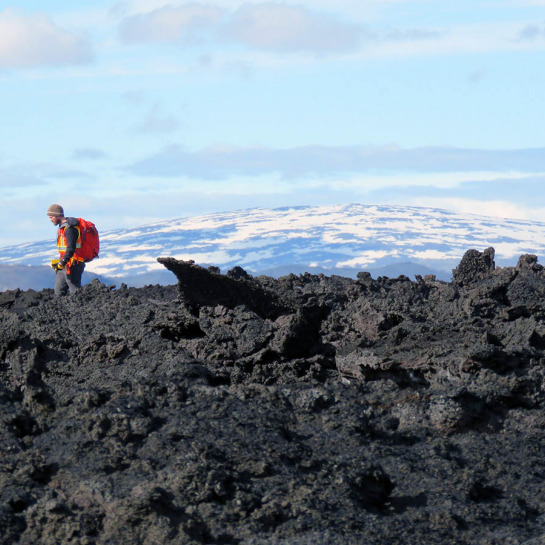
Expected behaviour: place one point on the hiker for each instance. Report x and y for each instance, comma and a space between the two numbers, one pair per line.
69, 267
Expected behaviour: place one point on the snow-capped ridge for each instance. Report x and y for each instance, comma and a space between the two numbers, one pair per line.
336, 238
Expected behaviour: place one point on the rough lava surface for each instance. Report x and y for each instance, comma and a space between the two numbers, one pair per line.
305, 410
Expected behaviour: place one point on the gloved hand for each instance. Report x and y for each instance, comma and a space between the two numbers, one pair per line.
57, 266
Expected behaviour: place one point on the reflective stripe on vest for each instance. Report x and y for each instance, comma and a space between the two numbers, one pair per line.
62, 245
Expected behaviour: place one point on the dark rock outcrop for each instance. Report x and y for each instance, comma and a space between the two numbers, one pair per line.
207, 287
306, 410
474, 266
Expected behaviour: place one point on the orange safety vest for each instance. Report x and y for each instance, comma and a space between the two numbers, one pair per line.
62, 246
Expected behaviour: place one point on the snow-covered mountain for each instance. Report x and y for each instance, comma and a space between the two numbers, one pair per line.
337, 239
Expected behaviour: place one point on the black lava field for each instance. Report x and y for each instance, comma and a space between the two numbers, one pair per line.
304, 410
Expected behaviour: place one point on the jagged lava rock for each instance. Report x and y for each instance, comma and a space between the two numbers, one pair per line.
303, 410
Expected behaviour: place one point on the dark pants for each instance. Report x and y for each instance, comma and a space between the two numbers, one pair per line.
69, 282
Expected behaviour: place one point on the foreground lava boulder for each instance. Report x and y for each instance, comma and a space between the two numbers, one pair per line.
304, 410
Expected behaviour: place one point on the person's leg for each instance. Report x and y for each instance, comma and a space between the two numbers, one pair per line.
74, 278
61, 286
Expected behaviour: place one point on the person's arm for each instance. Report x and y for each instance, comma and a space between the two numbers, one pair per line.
71, 235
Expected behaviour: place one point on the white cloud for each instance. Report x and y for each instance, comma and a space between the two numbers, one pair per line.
34, 40
324, 27
532, 32
16, 178
363, 259
267, 26
398, 180
88, 154
13, 179
322, 162
454, 39
156, 122
483, 207
169, 24
132, 7
291, 28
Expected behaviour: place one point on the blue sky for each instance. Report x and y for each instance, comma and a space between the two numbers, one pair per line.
142, 110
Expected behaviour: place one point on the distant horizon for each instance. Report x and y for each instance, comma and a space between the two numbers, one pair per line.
340, 239
40, 276
289, 207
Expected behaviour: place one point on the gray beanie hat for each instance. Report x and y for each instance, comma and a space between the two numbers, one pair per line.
55, 210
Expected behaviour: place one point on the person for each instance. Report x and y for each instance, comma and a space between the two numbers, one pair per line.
70, 265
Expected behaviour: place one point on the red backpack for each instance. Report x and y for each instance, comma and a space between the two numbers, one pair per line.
90, 243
